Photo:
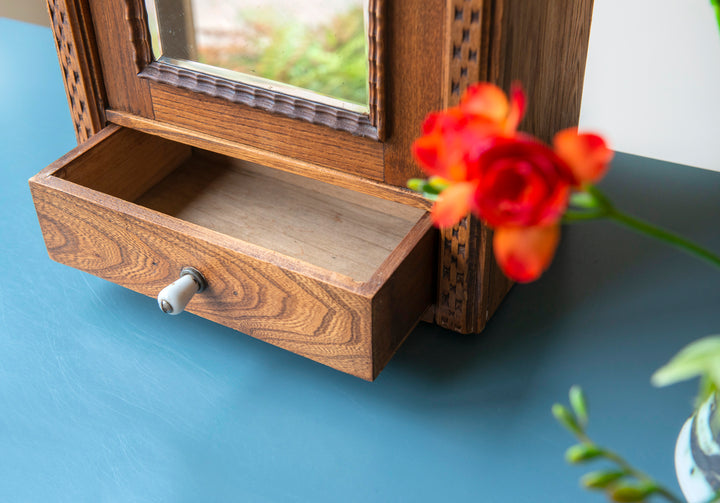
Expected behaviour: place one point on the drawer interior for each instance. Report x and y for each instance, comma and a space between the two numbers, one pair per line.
340, 230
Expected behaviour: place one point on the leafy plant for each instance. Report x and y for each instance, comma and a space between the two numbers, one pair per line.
329, 58
621, 482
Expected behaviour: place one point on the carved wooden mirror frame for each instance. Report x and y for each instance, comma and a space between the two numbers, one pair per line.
369, 125
424, 54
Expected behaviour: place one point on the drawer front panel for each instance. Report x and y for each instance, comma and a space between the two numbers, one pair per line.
307, 316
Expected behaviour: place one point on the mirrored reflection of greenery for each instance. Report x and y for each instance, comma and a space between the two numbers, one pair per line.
330, 58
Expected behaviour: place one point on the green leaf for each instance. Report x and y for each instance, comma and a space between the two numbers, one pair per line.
601, 479
699, 358
579, 405
566, 418
580, 453
632, 492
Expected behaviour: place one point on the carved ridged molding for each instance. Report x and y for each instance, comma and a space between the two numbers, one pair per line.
376, 49
78, 70
468, 285
367, 125
136, 16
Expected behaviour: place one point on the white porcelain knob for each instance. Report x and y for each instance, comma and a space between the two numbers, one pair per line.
173, 298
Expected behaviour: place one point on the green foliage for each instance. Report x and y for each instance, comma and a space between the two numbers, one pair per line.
700, 358
580, 453
631, 492
622, 482
579, 404
430, 188
565, 417
716, 6
601, 479
330, 59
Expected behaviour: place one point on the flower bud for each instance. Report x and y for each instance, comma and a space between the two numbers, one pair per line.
629, 493
580, 453
565, 418
600, 479
579, 404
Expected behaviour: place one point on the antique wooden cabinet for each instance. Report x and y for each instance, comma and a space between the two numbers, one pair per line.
294, 212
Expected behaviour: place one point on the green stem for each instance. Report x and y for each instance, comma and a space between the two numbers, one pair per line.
602, 207
663, 235
716, 5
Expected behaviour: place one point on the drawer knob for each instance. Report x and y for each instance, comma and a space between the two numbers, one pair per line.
173, 298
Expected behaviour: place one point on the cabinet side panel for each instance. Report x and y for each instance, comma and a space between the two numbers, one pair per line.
543, 45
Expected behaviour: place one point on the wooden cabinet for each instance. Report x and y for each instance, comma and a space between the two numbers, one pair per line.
294, 211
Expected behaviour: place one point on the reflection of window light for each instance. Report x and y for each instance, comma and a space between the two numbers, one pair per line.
154, 28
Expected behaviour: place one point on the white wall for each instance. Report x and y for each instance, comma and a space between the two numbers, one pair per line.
652, 82
30, 11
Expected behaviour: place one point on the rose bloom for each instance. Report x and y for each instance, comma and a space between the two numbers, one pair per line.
513, 182
520, 183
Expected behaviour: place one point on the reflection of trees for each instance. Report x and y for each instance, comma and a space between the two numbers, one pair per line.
329, 58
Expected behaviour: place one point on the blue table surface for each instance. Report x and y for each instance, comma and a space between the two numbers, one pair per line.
104, 398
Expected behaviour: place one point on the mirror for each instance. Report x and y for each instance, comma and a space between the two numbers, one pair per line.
312, 49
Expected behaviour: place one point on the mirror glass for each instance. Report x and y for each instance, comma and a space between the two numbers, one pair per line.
312, 49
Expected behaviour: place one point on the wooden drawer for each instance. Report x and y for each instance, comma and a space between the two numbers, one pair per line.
331, 274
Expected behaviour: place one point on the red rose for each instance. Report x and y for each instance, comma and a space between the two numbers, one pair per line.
521, 182
513, 182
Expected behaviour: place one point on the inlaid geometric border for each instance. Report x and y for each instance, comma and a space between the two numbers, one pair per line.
79, 69
470, 285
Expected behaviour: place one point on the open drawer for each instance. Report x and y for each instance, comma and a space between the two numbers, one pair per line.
335, 275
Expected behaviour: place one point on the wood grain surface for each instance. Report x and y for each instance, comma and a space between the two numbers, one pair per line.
270, 159
334, 228
310, 310
289, 137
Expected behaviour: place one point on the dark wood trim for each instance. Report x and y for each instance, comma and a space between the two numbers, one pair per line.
74, 41
366, 125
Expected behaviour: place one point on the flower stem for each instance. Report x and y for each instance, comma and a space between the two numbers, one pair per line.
662, 235
599, 206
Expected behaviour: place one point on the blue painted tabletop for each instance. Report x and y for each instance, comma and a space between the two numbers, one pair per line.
104, 398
